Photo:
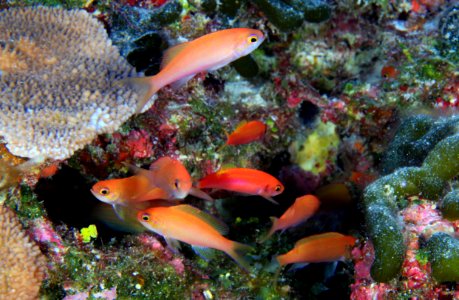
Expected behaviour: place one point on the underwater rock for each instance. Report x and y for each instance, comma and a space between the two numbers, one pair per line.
315, 11
282, 15
443, 253
450, 205
168, 14
146, 57
246, 66
414, 139
449, 27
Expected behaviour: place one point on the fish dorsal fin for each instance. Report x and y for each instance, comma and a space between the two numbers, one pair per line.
318, 237
225, 168
171, 53
218, 225
239, 126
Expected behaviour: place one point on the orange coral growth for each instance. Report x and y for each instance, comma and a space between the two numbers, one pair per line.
22, 264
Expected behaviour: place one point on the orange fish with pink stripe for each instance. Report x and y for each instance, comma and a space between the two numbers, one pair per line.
244, 180
207, 53
247, 132
301, 210
325, 247
188, 224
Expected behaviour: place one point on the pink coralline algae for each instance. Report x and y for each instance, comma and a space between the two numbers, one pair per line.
139, 144
44, 234
364, 287
162, 253
106, 295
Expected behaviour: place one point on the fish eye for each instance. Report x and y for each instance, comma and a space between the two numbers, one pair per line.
278, 188
177, 184
104, 191
145, 217
252, 38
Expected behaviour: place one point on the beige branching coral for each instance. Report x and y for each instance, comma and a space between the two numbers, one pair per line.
22, 264
58, 74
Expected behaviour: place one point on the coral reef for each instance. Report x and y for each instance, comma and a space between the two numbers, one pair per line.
58, 85
22, 264
359, 99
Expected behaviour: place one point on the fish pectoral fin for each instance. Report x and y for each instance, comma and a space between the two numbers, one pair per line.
204, 252
181, 82
173, 244
297, 266
330, 269
195, 192
119, 211
270, 199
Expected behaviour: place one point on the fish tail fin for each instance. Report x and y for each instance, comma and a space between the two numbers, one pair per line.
145, 86
271, 231
238, 252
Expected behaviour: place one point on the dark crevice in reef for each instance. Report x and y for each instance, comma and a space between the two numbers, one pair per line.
68, 200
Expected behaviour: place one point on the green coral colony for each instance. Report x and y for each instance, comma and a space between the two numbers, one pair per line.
359, 102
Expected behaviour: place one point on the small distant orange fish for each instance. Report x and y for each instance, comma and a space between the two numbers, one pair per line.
325, 247
301, 210
246, 132
207, 53
172, 177
188, 224
242, 180
389, 72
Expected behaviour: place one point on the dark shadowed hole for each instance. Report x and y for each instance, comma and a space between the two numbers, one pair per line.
308, 112
67, 199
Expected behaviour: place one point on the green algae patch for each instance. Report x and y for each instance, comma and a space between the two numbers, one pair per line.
443, 160
444, 257
415, 138
450, 205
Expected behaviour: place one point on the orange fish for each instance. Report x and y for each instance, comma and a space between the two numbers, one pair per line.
301, 210
246, 132
126, 191
325, 247
209, 52
247, 181
172, 177
188, 224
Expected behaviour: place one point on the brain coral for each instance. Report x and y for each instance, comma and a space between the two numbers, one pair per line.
22, 263
58, 71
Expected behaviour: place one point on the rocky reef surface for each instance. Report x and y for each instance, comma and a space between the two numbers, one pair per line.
360, 102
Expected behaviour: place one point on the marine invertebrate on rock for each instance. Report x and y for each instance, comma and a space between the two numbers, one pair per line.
22, 264
450, 205
382, 198
444, 257
57, 71
414, 139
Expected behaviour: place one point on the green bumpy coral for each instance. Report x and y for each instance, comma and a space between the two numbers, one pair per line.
450, 205
443, 251
384, 197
